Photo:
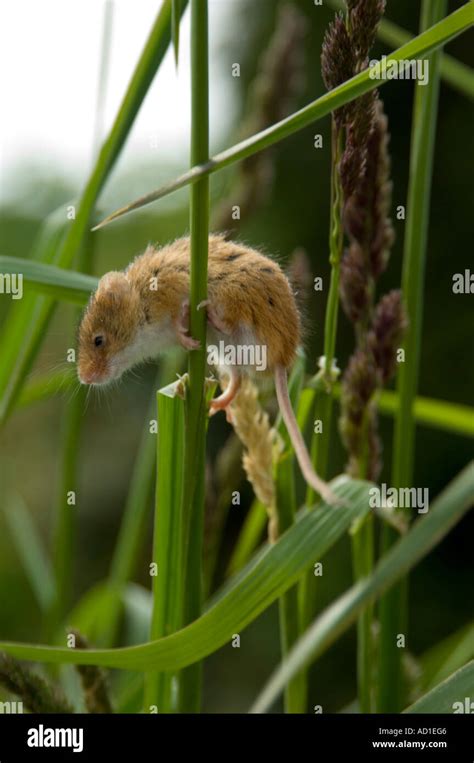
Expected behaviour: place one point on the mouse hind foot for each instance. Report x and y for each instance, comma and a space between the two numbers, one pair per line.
223, 401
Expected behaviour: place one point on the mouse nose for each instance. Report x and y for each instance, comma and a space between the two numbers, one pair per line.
89, 377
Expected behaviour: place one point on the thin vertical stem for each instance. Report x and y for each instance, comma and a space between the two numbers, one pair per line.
335, 245
324, 393
285, 505
363, 565
196, 412
393, 606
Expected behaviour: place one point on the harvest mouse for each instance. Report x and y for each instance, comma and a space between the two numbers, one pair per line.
137, 313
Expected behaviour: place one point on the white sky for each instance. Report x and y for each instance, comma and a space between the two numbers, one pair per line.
49, 59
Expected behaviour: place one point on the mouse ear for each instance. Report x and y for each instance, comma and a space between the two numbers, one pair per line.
113, 285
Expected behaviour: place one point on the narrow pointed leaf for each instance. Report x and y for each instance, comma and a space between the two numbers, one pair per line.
362, 83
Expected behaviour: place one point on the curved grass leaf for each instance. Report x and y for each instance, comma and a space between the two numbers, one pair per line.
450, 696
268, 575
62, 284
447, 656
426, 532
420, 46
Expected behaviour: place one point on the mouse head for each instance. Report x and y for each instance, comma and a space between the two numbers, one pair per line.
108, 330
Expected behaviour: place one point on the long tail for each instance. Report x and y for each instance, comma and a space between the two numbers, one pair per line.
299, 445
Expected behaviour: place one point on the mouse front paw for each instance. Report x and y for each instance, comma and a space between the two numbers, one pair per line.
182, 328
214, 318
188, 342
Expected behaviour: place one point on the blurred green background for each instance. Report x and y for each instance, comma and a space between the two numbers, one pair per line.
295, 214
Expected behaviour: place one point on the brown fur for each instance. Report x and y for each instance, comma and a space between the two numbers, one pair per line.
113, 312
244, 287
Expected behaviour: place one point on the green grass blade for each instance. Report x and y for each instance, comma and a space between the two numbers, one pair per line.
196, 408
268, 575
420, 46
393, 607
437, 414
31, 551
62, 284
29, 334
449, 696
456, 74
425, 534
447, 656
168, 550
175, 24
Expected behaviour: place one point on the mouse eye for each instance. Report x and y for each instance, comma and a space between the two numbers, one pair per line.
99, 341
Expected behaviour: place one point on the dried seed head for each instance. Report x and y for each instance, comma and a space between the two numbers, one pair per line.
378, 160
374, 445
354, 284
358, 386
260, 441
388, 326
359, 129
364, 18
337, 61
367, 208
37, 694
